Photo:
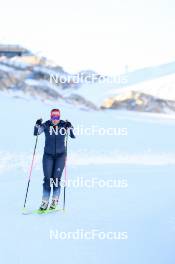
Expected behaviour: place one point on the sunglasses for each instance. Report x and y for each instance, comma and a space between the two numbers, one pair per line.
55, 117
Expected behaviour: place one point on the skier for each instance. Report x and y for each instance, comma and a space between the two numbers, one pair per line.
54, 156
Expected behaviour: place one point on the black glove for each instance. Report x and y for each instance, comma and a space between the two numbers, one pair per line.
39, 122
68, 124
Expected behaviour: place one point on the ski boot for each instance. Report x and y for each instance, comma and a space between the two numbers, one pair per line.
44, 205
54, 204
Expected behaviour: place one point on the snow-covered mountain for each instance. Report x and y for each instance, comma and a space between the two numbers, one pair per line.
148, 90
138, 101
154, 95
30, 75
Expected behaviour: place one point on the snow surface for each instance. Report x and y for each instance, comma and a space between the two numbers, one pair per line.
145, 209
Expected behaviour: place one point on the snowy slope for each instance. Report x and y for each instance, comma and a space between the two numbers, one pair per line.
162, 87
144, 208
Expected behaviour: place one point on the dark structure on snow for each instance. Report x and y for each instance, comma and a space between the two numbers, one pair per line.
12, 51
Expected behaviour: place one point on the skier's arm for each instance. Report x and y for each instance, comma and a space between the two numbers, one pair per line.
70, 129
39, 127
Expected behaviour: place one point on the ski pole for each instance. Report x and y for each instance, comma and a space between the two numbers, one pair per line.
30, 172
65, 174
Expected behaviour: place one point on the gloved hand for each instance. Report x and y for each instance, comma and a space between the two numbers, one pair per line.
39, 121
68, 124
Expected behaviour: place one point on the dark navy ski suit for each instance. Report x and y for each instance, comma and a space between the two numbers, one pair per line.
54, 154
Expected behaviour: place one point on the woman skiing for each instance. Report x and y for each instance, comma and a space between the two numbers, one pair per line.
54, 156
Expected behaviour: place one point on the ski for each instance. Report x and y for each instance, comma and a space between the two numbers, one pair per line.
41, 212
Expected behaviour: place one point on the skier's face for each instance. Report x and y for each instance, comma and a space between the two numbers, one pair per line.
55, 122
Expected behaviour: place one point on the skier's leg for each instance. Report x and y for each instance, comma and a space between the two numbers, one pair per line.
48, 163
58, 169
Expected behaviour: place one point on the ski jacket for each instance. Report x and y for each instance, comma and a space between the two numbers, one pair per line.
54, 136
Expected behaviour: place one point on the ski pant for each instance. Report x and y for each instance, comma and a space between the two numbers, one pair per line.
53, 166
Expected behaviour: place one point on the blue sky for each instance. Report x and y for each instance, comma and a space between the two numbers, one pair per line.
101, 35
